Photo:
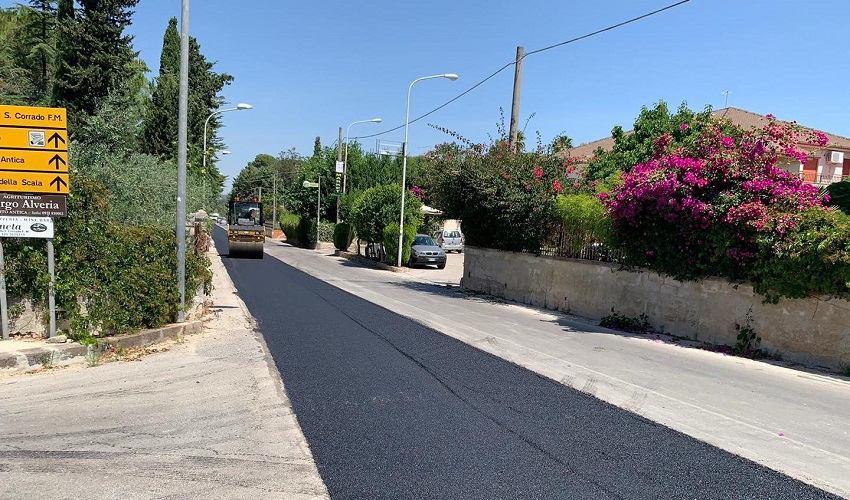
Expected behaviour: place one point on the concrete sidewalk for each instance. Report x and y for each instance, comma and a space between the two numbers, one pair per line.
786, 418
206, 417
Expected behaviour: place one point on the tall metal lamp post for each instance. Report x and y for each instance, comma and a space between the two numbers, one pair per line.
347, 136
239, 107
450, 76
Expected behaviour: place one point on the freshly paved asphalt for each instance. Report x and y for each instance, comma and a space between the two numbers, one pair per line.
392, 409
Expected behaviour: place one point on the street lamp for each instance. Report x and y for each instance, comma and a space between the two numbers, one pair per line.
450, 76
239, 107
204, 181
347, 135
318, 186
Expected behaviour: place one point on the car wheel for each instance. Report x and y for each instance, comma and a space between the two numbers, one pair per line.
460, 251
441, 266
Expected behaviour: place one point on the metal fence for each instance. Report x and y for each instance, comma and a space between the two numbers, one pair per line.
580, 240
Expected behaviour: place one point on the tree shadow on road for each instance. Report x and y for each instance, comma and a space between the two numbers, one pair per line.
577, 325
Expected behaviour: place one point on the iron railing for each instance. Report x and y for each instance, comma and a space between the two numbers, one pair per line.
581, 240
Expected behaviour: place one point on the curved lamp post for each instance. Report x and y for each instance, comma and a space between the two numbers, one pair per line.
239, 107
347, 135
450, 76
204, 181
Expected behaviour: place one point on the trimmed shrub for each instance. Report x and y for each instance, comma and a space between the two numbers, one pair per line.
583, 223
326, 231
307, 232
391, 243
289, 225
343, 236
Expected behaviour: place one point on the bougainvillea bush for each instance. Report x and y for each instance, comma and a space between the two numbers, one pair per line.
506, 200
722, 207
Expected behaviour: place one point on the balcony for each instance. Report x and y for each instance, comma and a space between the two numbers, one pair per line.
821, 179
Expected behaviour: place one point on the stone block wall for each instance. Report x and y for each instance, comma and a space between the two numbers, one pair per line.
811, 331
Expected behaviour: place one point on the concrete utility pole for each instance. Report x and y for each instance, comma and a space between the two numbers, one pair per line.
520, 53
182, 130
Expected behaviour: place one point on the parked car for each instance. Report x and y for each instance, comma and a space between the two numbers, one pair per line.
450, 239
424, 252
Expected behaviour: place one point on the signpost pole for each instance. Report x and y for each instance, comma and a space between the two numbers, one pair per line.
51, 293
4, 310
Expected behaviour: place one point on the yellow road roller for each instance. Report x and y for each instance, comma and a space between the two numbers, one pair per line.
245, 231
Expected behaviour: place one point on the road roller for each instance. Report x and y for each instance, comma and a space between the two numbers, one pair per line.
245, 231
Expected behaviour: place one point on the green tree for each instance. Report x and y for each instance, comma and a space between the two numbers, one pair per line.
561, 142
159, 133
39, 34
301, 200
269, 172
15, 86
93, 55
636, 147
505, 199
380, 206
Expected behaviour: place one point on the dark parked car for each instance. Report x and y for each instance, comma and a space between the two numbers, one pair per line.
449, 239
424, 252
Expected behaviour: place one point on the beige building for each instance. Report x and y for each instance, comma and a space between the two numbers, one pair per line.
824, 165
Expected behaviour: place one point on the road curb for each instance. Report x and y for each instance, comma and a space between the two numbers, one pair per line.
369, 262
58, 354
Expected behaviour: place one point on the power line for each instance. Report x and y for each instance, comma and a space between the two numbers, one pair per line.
609, 28
573, 40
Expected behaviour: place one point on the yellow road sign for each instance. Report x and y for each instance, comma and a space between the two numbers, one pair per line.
33, 138
34, 182
28, 116
33, 161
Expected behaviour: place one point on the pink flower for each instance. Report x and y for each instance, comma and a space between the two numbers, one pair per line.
683, 126
556, 185
538, 172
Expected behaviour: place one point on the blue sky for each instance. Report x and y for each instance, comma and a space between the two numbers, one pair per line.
310, 67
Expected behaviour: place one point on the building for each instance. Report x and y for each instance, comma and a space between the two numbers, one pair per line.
824, 165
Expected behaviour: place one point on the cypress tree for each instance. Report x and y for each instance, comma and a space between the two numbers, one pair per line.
39, 36
159, 132
93, 55
160, 129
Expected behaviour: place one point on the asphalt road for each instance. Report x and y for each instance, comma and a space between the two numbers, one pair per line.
392, 409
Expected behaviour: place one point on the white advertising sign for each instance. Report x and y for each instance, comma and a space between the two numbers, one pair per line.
26, 227
340, 167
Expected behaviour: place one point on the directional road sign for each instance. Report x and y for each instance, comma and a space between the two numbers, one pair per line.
29, 116
33, 182
34, 161
32, 138
33, 150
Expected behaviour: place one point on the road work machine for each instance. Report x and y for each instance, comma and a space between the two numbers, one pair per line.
245, 231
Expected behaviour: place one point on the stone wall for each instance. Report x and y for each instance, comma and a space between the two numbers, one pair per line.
811, 331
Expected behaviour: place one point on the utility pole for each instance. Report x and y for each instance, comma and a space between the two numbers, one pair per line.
520, 53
